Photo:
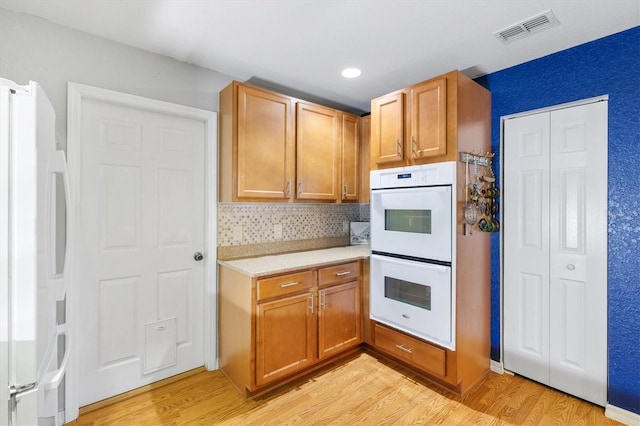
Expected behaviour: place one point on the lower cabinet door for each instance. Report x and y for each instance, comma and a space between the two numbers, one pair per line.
285, 337
338, 318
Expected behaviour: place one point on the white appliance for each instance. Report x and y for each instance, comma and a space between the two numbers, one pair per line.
412, 211
412, 241
33, 224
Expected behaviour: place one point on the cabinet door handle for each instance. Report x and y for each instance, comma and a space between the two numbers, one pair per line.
344, 190
287, 190
300, 187
323, 300
402, 348
414, 148
311, 302
343, 273
289, 284
398, 149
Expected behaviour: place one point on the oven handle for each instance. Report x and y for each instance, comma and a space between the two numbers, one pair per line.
399, 261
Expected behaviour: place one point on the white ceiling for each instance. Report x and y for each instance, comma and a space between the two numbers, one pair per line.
302, 45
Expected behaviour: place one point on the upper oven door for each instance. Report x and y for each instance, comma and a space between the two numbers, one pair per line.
414, 222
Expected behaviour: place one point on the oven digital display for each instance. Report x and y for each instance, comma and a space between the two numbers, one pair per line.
407, 292
407, 220
404, 176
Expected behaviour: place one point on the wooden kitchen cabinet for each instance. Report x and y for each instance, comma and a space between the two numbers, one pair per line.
428, 109
350, 167
364, 155
285, 337
285, 325
318, 152
273, 328
444, 116
339, 319
431, 121
416, 352
387, 129
257, 144
276, 148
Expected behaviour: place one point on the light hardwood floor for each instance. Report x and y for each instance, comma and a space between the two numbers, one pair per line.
362, 390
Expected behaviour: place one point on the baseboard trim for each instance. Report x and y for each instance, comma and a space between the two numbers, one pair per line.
621, 415
496, 367
146, 388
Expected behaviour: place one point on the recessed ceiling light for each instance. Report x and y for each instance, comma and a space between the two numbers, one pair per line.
351, 72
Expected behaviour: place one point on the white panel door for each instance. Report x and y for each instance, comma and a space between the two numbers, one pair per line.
578, 252
142, 220
526, 246
555, 296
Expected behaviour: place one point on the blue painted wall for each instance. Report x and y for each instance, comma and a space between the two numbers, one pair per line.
608, 66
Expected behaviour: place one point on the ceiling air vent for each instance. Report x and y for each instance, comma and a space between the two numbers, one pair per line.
528, 27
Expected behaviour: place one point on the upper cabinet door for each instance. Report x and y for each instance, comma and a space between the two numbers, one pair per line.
350, 131
387, 129
318, 152
429, 119
265, 144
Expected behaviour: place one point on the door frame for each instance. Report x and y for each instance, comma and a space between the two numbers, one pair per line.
499, 366
76, 94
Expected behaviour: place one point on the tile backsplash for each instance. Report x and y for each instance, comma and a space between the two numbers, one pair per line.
257, 223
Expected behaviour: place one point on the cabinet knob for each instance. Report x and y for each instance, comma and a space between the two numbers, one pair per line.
571, 267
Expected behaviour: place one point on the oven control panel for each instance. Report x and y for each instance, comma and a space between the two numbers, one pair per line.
422, 175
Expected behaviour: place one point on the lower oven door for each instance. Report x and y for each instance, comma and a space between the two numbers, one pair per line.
414, 297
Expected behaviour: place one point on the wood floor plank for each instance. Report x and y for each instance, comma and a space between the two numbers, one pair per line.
362, 390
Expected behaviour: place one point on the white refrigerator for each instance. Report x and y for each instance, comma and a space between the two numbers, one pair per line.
34, 345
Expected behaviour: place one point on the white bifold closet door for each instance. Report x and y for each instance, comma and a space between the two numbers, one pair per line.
555, 249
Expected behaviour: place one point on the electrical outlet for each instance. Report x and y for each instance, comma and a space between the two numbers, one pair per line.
277, 231
345, 226
237, 233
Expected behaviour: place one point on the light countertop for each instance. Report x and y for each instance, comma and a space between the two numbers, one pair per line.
279, 263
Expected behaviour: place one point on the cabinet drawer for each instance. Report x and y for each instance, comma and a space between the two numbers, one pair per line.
267, 288
339, 273
423, 355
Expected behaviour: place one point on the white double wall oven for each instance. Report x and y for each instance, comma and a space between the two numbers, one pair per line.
412, 246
